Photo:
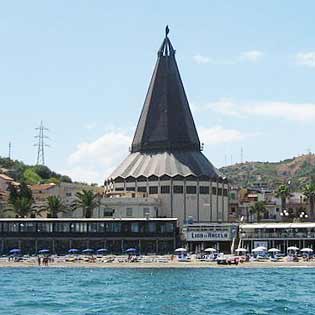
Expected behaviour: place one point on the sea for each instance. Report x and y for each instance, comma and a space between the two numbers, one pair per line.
76, 291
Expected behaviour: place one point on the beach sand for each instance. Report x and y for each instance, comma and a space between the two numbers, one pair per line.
193, 264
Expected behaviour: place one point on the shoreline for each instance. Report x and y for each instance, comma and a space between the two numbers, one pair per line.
154, 265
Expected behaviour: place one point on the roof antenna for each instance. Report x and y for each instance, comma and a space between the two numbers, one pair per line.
167, 30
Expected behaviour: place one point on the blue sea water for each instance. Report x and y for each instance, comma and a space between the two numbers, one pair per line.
40, 291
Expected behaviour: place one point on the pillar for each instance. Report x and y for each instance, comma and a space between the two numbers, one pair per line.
156, 247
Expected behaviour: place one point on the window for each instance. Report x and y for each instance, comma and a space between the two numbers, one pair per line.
44, 227
62, 227
129, 212
178, 189
119, 189
214, 190
153, 190
27, 227
108, 212
130, 189
152, 227
68, 194
225, 192
146, 211
204, 190
220, 191
191, 189
135, 227
165, 189
142, 189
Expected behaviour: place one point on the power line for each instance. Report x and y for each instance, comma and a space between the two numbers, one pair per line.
41, 144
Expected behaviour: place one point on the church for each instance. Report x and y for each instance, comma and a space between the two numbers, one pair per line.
166, 159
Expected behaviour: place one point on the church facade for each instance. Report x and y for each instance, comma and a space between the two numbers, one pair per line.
166, 159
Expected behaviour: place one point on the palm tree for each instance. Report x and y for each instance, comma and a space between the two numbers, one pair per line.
22, 207
258, 208
86, 200
283, 193
309, 193
53, 207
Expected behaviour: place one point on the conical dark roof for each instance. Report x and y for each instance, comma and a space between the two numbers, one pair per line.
166, 122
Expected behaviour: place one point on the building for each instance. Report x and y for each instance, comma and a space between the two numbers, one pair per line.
166, 159
278, 235
151, 235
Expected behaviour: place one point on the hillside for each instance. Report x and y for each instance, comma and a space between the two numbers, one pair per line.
30, 174
299, 170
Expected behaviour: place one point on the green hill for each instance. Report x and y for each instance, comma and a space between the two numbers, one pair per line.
299, 170
31, 174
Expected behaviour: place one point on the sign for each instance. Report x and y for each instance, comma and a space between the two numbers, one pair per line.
208, 236
260, 243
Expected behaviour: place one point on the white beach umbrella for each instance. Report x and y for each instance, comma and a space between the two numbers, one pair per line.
210, 250
306, 250
241, 250
259, 249
180, 250
294, 248
274, 250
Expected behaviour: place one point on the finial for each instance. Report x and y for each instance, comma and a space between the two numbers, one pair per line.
167, 30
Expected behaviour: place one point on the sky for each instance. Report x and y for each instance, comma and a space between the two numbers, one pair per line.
83, 68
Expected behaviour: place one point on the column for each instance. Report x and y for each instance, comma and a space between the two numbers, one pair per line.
122, 246
156, 246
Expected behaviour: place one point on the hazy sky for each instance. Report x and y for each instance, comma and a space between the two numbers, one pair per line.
83, 67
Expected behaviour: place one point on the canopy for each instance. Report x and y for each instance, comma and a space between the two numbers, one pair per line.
238, 250
102, 250
210, 250
306, 250
293, 248
73, 250
131, 250
274, 250
259, 249
180, 250
43, 251
88, 250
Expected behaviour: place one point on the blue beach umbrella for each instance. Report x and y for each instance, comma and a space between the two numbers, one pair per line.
15, 251
43, 251
88, 251
73, 251
102, 250
131, 250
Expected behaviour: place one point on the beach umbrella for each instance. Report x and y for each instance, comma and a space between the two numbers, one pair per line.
306, 250
88, 251
294, 248
73, 251
241, 250
15, 251
274, 250
210, 250
43, 251
102, 250
259, 249
131, 250
180, 250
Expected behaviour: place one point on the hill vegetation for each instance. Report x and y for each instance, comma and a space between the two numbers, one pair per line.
31, 174
298, 170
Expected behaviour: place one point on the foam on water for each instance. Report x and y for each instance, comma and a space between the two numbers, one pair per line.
40, 291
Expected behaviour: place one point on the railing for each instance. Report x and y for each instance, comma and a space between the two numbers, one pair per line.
288, 235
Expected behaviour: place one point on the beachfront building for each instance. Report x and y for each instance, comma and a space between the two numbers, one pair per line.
148, 235
277, 235
166, 159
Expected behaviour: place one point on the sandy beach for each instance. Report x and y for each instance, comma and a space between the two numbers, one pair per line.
193, 264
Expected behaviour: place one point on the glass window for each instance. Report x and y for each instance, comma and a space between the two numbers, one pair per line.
27, 227
93, 227
204, 190
220, 191
12, 227
79, 227
142, 189
146, 211
153, 190
44, 227
225, 192
130, 189
135, 227
178, 189
116, 227
129, 212
119, 189
152, 227
165, 189
191, 189
214, 190
62, 227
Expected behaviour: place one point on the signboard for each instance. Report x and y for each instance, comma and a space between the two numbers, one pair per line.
208, 236
260, 243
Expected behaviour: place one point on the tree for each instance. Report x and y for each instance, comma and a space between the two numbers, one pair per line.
309, 193
86, 200
283, 193
53, 207
20, 200
258, 208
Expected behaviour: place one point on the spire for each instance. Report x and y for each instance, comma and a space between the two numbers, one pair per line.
166, 122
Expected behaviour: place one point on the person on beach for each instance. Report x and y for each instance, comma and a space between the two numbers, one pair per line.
38, 260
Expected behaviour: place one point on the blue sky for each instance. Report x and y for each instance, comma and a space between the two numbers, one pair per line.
83, 67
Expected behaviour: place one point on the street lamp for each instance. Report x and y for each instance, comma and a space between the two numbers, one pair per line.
284, 213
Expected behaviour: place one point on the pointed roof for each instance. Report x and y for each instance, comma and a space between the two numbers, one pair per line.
166, 122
